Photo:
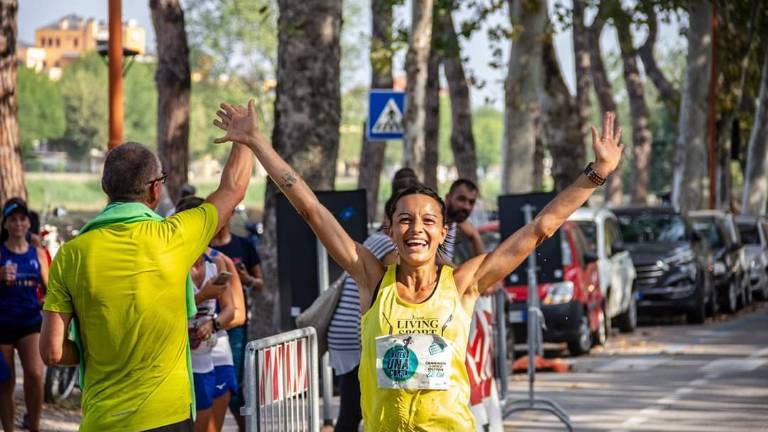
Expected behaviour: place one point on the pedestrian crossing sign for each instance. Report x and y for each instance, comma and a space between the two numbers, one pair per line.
386, 112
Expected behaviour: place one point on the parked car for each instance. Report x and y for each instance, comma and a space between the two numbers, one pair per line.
614, 265
730, 258
754, 235
571, 299
672, 262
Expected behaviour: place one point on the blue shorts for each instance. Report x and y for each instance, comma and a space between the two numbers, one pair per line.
226, 381
205, 384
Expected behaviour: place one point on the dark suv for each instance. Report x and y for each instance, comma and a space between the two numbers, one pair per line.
730, 261
672, 262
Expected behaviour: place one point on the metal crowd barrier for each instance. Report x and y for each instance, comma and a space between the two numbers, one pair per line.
281, 383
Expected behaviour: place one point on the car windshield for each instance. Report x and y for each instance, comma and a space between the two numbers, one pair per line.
590, 231
749, 233
652, 227
707, 228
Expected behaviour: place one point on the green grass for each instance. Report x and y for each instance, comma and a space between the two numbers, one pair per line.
82, 192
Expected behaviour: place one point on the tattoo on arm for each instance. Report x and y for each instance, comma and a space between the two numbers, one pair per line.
289, 178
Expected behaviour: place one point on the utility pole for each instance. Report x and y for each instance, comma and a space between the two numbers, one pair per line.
115, 73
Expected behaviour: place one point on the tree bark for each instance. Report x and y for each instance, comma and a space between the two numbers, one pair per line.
641, 133
522, 88
614, 188
432, 118
11, 168
755, 195
462, 137
372, 152
669, 95
583, 76
560, 117
173, 81
307, 117
417, 71
691, 146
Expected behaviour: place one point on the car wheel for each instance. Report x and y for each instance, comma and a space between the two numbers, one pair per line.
731, 300
627, 321
603, 329
581, 343
747, 290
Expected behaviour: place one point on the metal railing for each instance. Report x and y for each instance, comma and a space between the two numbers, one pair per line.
281, 383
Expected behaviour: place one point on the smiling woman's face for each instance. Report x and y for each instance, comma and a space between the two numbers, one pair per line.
417, 228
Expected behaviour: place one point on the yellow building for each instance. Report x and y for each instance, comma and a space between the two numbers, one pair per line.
62, 42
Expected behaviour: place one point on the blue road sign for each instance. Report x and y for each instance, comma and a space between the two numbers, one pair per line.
386, 111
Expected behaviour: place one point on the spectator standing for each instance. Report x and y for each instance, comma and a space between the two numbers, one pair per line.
23, 271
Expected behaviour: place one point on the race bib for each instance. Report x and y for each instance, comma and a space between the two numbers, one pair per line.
413, 362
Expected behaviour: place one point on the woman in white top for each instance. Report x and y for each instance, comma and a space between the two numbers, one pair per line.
219, 306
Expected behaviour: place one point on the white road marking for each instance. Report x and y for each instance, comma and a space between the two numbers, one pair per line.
762, 353
733, 365
632, 364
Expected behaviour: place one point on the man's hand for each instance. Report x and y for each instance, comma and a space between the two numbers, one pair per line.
240, 124
607, 147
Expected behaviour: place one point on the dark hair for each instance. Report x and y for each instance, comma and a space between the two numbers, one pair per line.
20, 205
469, 184
403, 178
415, 189
128, 170
188, 202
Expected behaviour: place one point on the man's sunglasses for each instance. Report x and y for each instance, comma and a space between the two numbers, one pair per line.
160, 179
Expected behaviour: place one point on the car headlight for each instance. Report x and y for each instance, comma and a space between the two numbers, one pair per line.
679, 256
719, 268
559, 292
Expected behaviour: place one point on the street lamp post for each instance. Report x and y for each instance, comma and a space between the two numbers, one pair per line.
115, 73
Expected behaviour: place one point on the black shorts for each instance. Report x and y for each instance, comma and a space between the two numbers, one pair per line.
10, 334
182, 426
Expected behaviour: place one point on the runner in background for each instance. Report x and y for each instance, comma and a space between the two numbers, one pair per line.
23, 269
248, 267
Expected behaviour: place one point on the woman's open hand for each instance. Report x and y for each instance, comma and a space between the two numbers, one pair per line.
607, 146
241, 124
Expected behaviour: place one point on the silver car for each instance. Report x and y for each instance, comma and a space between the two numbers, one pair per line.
754, 236
614, 264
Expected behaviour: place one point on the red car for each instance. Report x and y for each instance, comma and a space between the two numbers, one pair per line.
571, 299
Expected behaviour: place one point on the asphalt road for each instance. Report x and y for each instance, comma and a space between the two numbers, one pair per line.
666, 376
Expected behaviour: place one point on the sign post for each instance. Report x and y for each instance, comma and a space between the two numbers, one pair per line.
535, 339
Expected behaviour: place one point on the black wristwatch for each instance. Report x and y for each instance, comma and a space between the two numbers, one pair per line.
593, 176
216, 325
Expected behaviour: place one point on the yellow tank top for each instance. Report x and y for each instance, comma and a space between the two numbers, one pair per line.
400, 409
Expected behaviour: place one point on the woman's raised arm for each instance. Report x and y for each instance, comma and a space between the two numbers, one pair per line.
241, 126
483, 271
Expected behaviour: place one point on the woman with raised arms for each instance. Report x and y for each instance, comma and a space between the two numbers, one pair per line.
416, 314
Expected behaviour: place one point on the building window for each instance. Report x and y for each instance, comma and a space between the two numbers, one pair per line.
58, 42
50, 42
44, 64
42, 42
75, 42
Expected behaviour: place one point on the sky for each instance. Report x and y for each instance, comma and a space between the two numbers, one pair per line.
35, 13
